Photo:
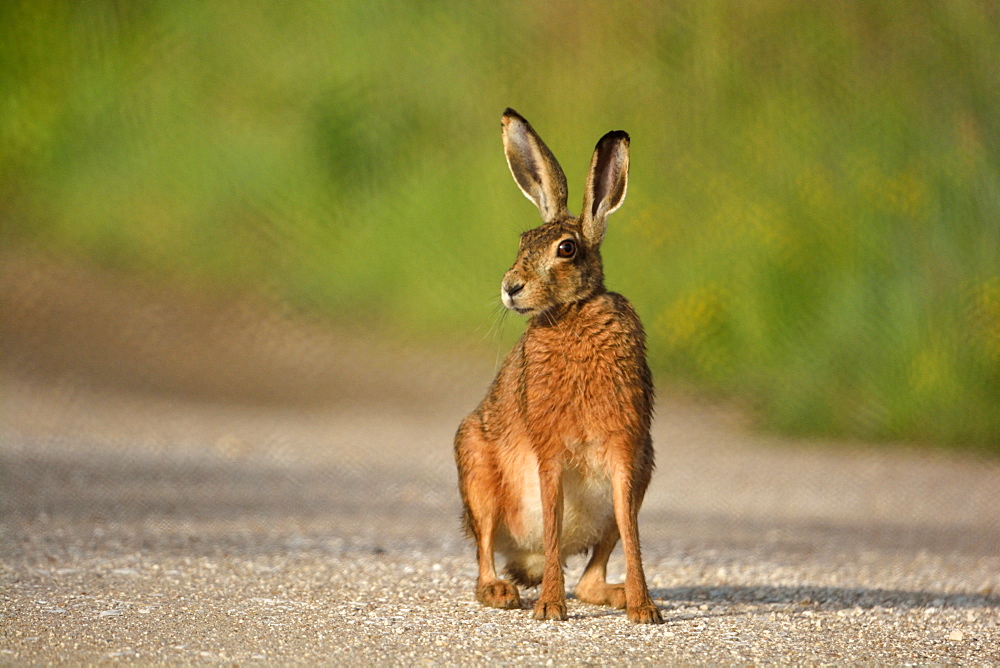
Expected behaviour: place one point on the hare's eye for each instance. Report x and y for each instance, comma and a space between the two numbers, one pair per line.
566, 249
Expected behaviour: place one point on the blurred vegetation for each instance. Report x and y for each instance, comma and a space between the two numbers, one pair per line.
813, 222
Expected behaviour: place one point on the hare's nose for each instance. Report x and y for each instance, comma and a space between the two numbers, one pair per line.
514, 289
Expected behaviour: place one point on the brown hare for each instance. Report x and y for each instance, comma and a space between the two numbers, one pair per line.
556, 459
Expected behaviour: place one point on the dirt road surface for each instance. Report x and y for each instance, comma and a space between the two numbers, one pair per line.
198, 483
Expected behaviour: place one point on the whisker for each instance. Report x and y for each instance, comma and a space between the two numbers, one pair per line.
498, 338
496, 317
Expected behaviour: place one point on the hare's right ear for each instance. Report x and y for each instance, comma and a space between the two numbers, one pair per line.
606, 185
535, 169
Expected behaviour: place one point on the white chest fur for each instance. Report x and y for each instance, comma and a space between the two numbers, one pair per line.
588, 508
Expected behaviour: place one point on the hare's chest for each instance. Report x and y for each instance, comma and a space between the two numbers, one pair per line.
567, 389
588, 508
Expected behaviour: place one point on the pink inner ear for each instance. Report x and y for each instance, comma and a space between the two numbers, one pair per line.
607, 178
524, 169
601, 184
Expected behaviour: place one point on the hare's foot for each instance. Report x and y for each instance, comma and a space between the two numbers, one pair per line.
550, 610
601, 593
498, 594
647, 613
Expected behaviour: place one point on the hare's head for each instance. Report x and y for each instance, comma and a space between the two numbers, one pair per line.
560, 261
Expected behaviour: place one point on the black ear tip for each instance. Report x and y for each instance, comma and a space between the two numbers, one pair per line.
617, 135
510, 113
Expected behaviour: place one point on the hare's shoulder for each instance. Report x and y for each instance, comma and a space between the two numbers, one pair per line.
614, 303
613, 315
591, 334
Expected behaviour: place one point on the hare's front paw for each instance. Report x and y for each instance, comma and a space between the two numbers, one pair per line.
499, 594
550, 610
647, 613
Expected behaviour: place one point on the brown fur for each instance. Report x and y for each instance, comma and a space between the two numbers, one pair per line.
556, 459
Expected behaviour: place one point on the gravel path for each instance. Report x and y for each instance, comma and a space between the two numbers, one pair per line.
138, 525
242, 534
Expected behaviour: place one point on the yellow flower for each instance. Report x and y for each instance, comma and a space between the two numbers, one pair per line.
689, 319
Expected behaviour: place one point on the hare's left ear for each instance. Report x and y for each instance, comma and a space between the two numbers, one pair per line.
606, 185
535, 169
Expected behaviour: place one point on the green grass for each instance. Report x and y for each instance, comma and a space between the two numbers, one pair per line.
813, 221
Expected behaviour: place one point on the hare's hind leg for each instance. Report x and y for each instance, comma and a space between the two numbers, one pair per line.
479, 481
593, 587
491, 591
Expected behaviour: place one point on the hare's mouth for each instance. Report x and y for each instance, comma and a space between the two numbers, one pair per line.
510, 299
509, 303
